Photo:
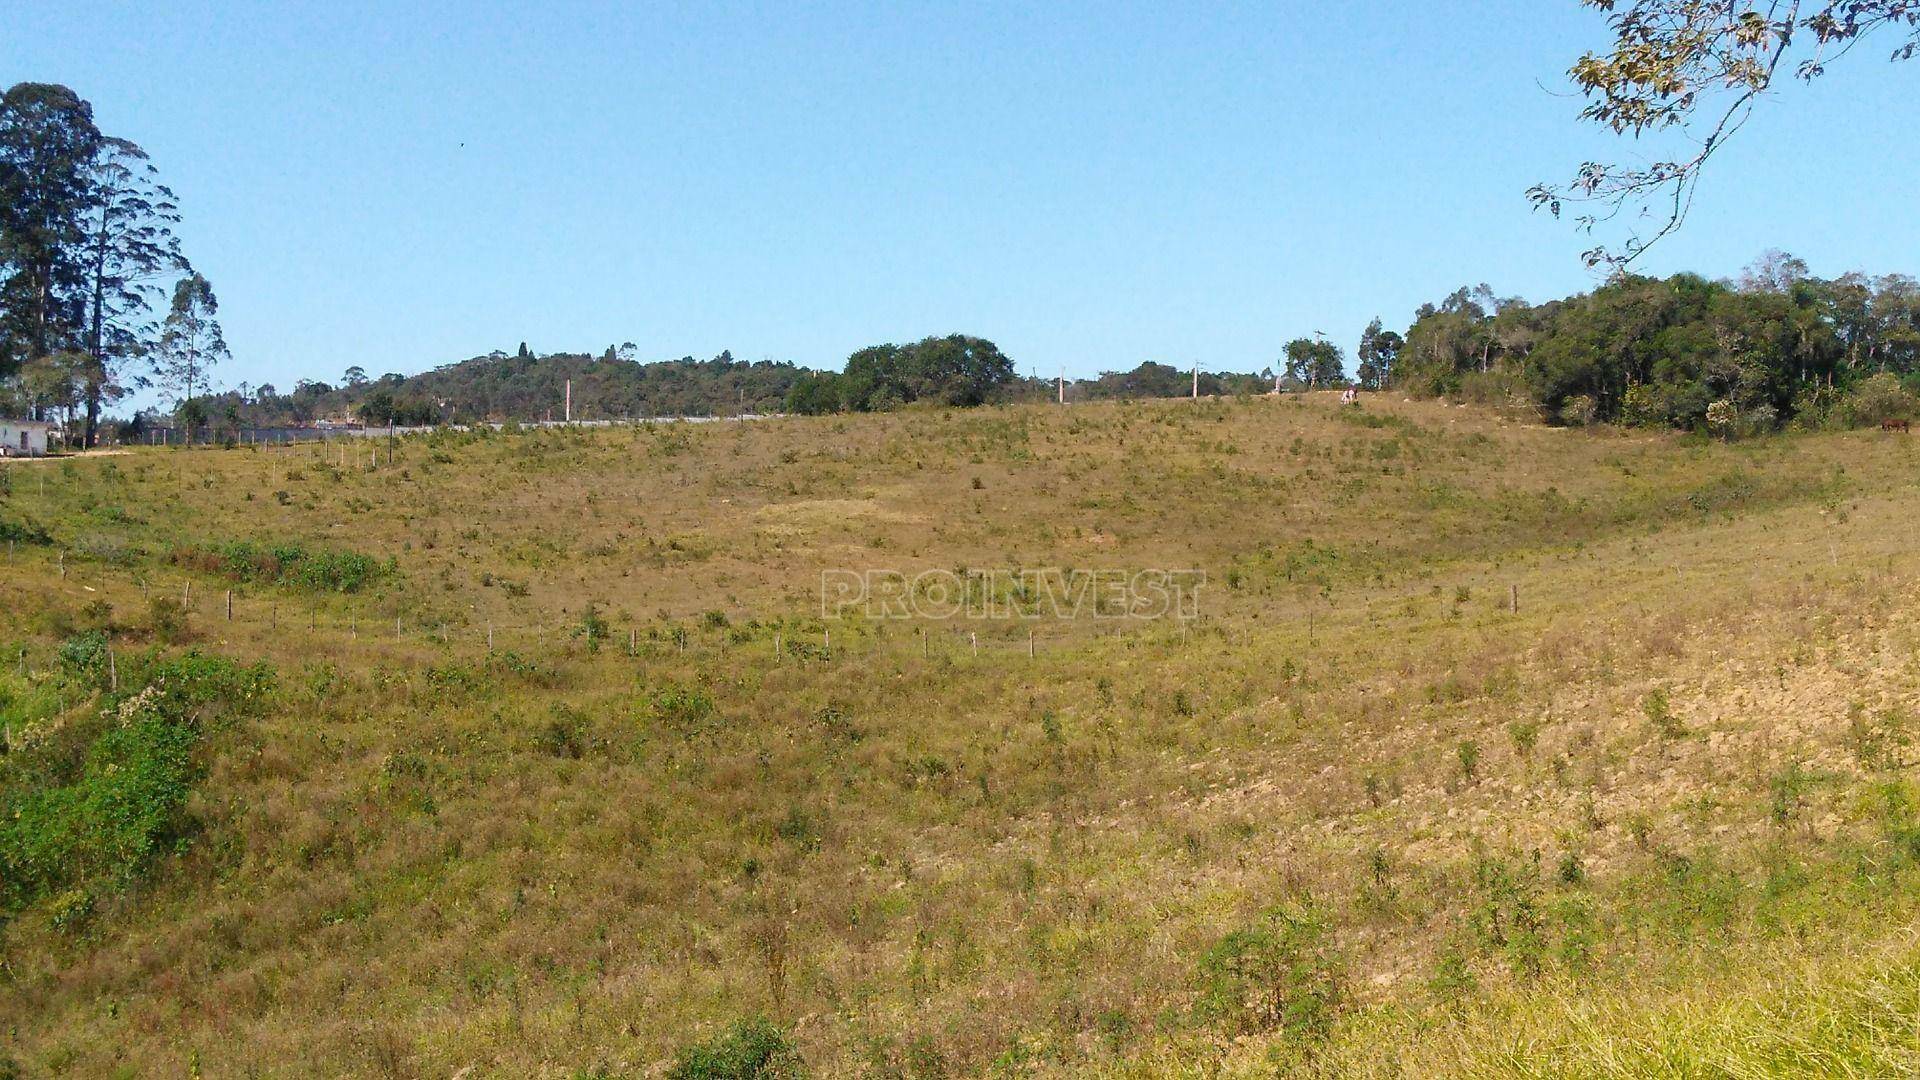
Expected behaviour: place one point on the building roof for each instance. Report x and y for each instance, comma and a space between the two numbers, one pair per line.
10, 422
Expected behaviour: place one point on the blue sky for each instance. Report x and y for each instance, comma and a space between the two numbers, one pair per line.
1090, 185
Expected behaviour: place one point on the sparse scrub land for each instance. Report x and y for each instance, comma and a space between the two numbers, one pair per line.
1497, 749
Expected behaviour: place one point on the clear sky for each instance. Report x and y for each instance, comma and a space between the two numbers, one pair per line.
1089, 185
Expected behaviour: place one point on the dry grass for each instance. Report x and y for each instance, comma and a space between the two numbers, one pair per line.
949, 863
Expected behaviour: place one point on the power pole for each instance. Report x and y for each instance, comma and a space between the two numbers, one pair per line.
569, 415
1063, 385
1196, 380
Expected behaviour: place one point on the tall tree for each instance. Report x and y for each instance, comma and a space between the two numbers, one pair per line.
48, 143
130, 247
1379, 348
191, 345
1315, 362
1698, 67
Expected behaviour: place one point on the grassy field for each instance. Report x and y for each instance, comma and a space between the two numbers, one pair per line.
1361, 816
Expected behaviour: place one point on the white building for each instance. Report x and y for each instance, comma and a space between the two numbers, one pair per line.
23, 438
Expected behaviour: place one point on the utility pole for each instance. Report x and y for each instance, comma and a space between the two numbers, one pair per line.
1196, 380
569, 401
1063, 384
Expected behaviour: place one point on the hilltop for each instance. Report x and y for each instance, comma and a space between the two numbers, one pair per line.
1492, 749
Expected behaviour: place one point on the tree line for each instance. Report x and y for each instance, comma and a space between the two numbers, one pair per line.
520, 385
1772, 346
96, 297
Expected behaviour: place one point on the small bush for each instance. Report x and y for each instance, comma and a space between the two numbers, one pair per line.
1876, 398
566, 734
1506, 916
285, 564
1579, 411
1525, 735
1660, 714
686, 709
751, 1049
1787, 794
128, 802
1469, 754
593, 628
84, 655
1280, 975
167, 617
23, 532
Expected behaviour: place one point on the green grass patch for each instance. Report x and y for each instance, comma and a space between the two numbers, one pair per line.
288, 565
65, 824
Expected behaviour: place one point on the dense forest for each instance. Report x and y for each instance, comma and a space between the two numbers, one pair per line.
1776, 345
517, 386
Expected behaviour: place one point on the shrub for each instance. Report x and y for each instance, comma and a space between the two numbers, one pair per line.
1506, 914
751, 1049
1660, 714
592, 628
1643, 406
128, 801
566, 734
84, 655
686, 709
1280, 975
169, 619
1579, 410
23, 532
1876, 398
1787, 794
1500, 387
1469, 754
1525, 735
285, 564
1721, 417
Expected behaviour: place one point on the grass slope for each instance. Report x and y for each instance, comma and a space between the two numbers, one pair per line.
1360, 818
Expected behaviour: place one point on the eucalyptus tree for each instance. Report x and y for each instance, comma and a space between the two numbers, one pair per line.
1379, 348
191, 345
130, 249
48, 143
1698, 68
86, 241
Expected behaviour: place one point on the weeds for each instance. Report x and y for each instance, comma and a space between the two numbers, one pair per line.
751, 1049
289, 565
